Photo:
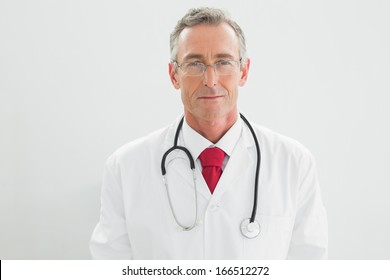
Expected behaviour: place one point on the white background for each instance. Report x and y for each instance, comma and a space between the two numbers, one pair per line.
80, 78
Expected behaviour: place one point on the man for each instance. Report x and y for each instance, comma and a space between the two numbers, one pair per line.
205, 214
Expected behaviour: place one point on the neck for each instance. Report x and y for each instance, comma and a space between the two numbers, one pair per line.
213, 128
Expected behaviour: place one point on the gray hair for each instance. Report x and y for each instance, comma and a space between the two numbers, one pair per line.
210, 16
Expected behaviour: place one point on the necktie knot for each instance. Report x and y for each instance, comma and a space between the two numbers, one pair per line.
211, 160
212, 157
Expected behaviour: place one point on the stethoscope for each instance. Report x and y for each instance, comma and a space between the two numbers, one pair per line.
250, 228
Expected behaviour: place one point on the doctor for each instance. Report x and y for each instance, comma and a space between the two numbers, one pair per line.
247, 195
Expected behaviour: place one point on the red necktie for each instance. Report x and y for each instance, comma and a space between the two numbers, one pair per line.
212, 159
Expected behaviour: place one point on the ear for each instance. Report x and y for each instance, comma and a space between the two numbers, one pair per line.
244, 72
172, 75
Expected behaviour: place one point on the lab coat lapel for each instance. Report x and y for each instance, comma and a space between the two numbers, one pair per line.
237, 166
180, 175
180, 167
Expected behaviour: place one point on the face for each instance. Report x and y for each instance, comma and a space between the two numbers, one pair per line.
209, 96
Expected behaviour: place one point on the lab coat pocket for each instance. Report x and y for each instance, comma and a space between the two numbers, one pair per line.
273, 240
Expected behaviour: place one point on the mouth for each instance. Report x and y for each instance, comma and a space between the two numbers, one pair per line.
211, 97
210, 94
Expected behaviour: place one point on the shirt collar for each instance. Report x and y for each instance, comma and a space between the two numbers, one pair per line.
196, 143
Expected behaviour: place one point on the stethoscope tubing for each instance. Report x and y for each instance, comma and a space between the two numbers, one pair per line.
254, 209
192, 163
246, 228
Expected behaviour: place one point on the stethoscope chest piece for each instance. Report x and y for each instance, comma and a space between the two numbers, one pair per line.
250, 230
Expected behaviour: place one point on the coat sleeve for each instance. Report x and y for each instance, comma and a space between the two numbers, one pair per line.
310, 232
110, 239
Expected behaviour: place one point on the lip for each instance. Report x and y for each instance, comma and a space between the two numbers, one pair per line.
210, 97
210, 94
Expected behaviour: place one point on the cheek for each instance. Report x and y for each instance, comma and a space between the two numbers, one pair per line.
232, 88
189, 86
186, 96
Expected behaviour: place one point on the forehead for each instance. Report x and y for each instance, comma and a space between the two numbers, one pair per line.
208, 41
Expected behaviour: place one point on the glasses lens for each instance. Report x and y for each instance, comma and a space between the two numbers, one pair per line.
222, 68
227, 67
193, 68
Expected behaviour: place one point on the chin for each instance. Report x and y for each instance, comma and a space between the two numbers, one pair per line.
214, 114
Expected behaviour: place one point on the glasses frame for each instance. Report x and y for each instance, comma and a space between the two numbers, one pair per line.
214, 65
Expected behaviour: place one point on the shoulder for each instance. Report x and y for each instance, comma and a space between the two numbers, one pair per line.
284, 154
138, 150
275, 142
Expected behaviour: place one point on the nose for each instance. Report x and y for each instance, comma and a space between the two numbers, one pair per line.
210, 76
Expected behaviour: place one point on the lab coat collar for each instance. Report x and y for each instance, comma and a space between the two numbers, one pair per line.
196, 143
241, 156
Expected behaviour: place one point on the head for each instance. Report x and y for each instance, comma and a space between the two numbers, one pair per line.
207, 16
208, 36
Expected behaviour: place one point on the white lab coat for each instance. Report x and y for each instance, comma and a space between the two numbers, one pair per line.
136, 220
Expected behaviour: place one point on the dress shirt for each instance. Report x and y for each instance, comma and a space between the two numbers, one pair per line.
196, 143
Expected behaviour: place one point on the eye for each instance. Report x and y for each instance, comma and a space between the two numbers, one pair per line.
194, 64
225, 62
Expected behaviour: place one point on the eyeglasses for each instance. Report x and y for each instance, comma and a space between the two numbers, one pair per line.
221, 68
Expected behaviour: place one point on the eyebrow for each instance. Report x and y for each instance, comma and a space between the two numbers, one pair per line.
224, 55
200, 56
